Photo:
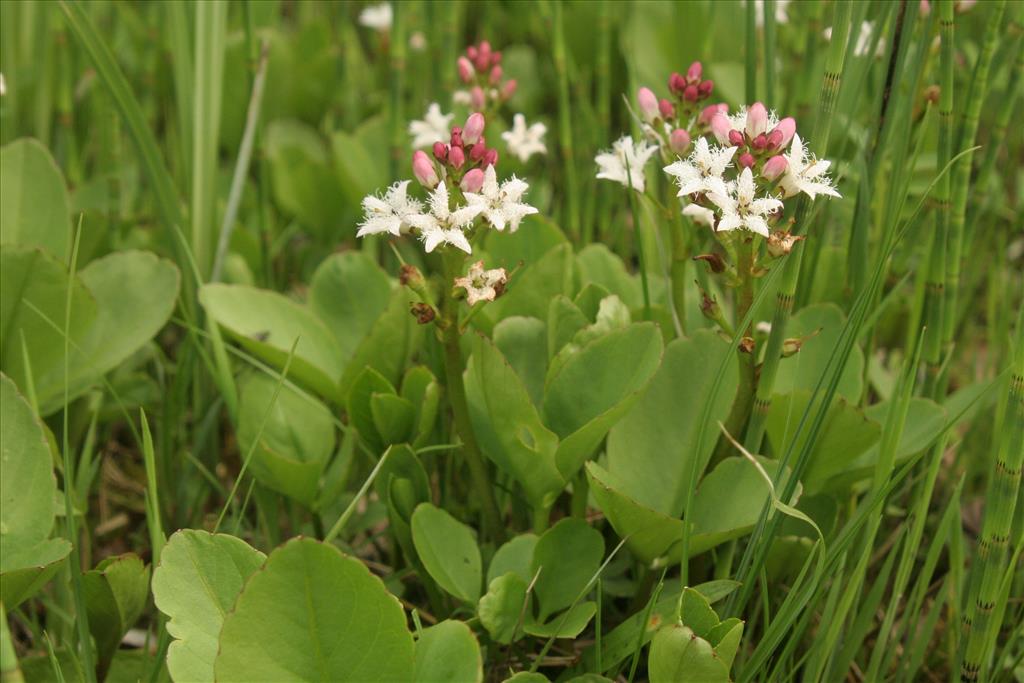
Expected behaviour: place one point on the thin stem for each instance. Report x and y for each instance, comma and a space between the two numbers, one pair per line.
453, 368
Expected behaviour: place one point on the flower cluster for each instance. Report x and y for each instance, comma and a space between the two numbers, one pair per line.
481, 72
463, 188
731, 171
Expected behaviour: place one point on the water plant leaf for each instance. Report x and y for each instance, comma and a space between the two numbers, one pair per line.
37, 212
28, 490
448, 652
196, 584
448, 550
283, 628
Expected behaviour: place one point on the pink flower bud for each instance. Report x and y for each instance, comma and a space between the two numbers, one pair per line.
708, 113
495, 74
786, 130
476, 98
473, 180
466, 71
648, 103
666, 109
736, 138
757, 119
456, 139
760, 142
485, 52
721, 126
473, 129
746, 160
691, 94
471, 52
676, 83
423, 169
456, 157
509, 89
705, 88
477, 151
925, 8
491, 157
679, 141
440, 151
496, 57
774, 167
694, 72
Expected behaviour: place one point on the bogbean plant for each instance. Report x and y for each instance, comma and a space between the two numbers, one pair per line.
740, 444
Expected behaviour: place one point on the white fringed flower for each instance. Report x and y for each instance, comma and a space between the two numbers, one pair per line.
389, 213
700, 215
739, 207
525, 141
377, 17
482, 285
442, 225
433, 128
705, 163
805, 173
625, 162
501, 204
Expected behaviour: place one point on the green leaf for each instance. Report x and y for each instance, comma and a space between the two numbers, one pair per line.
360, 168
448, 550
846, 434
531, 290
448, 652
726, 638
513, 556
36, 211
696, 612
597, 264
127, 317
535, 238
523, 342
678, 656
526, 677
501, 609
567, 556
649, 534
28, 490
348, 293
392, 341
314, 614
507, 424
393, 417
33, 298
115, 596
588, 391
266, 324
302, 178
651, 449
196, 584
367, 383
420, 388
568, 624
565, 319
296, 441
822, 324
403, 463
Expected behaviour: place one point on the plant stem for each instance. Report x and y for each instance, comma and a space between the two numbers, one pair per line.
453, 368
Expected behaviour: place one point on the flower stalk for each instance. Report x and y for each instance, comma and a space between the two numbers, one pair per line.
454, 368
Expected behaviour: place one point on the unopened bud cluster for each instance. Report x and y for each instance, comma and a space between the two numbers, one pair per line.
675, 120
463, 158
481, 72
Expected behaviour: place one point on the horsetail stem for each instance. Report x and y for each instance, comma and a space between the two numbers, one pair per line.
831, 81
980, 629
962, 176
936, 283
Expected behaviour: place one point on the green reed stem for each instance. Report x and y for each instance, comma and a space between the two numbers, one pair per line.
565, 142
750, 63
769, 51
